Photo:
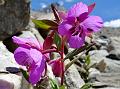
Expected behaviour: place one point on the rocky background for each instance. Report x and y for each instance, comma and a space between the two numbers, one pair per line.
15, 20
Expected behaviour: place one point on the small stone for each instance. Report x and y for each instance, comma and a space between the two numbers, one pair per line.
13, 70
73, 78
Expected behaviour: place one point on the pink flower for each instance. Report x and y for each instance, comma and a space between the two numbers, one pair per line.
29, 54
56, 67
77, 24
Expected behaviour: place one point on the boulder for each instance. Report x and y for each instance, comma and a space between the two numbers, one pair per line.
14, 16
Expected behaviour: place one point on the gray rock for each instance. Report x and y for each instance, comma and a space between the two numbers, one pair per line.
115, 53
111, 65
93, 73
13, 81
110, 79
73, 79
102, 41
99, 53
6, 58
8, 80
14, 17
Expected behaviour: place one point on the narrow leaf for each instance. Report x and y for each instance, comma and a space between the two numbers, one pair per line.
25, 74
57, 41
45, 24
77, 51
87, 60
53, 84
86, 86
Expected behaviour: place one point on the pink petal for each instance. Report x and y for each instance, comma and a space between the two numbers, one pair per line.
22, 56
36, 55
36, 72
76, 41
83, 16
77, 10
92, 23
64, 28
91, 7
26, 42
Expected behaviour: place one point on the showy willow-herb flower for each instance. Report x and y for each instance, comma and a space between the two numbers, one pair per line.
29, 54
77, 24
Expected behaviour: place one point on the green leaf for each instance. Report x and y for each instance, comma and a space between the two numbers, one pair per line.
86, 86
87, 60
25, 74
53, 84
45, 24
62, 87
57, 41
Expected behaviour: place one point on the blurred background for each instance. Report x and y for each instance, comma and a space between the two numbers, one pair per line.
109, 10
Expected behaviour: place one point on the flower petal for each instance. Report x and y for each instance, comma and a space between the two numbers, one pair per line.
22, 56
77, 10
76, 41
36, 55
92, 23
26, 42
64, 28
36, 72
91, 7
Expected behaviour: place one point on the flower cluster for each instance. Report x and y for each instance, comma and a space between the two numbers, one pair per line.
29, 54
72, 28
77, 24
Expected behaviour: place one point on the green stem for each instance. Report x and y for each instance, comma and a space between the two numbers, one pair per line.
74, 60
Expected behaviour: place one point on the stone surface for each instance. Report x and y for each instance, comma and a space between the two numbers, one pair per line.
42, 15
34, 31
93, 73
6, 58
115, 53
110, 79
13, 81
7, 79
111, 65
14, 17
72, 77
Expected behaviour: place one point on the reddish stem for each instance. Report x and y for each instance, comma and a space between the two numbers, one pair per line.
49, 51
62, 64
52, 33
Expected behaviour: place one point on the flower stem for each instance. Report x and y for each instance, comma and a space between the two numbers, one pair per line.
62, 57
49, 51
